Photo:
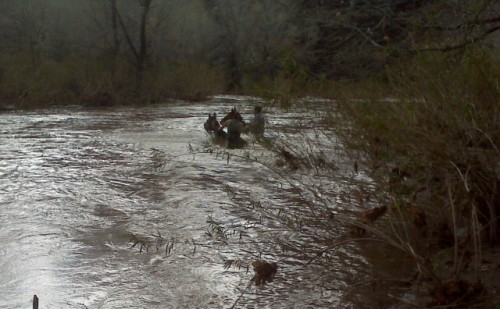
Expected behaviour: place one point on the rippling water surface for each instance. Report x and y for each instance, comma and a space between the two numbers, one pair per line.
75, 185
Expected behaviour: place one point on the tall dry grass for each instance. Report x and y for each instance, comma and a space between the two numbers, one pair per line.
28, 81
430, 136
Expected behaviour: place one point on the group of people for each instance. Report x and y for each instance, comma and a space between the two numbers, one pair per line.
235, 125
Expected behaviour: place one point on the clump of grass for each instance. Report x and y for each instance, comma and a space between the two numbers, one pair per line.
145, 242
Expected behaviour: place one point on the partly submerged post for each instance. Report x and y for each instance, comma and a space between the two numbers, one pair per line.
35, 302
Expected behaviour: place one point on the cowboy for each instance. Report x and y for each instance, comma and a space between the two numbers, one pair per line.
258, 124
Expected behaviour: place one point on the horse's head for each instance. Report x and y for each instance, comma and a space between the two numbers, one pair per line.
233, 114
211, 125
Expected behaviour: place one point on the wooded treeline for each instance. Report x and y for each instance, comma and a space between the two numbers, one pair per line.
105, 50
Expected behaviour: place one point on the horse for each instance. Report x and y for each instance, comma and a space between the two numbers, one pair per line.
211, 125
235, 126
233, 114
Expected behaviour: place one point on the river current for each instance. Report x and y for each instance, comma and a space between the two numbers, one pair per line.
87, 220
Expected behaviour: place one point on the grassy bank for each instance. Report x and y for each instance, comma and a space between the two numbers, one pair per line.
28, 80
429, 135
33, 80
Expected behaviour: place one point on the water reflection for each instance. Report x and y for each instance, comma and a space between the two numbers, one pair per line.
76, 184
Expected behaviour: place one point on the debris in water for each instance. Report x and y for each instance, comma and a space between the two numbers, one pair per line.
367, 217
454, 292
264, 271
371, 215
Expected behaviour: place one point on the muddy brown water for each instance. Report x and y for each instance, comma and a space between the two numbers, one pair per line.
75, 184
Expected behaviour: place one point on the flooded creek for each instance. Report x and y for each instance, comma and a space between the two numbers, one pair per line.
77, 191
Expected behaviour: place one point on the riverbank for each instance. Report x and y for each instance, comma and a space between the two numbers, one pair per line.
32, 82
433, 151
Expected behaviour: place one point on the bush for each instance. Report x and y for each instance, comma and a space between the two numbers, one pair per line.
190, 81
434, 149
38, 81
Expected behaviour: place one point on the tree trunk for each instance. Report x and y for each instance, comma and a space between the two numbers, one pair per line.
143, 43
114, 25
234, 73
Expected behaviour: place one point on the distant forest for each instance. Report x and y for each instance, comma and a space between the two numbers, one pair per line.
191, 48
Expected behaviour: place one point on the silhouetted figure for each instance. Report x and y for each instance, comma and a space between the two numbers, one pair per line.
258, 124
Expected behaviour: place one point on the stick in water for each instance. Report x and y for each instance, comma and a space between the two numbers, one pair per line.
35, 302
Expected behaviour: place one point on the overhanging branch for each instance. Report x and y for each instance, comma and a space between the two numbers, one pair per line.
463, 44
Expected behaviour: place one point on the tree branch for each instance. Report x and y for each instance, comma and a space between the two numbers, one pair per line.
127, 36
462, 44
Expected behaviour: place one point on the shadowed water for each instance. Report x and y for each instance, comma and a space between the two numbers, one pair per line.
75, 185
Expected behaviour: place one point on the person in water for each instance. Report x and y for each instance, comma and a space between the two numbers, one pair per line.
258, 124
234, 129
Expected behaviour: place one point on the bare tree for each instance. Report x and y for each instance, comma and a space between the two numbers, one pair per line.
128, 24
355, 38
249, 33
140, 50
24, 29
114, 26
